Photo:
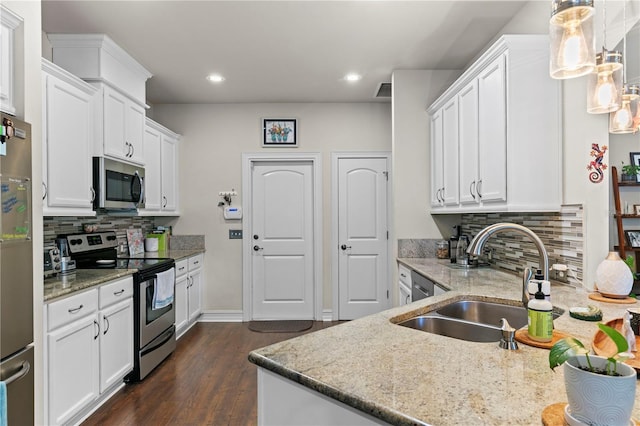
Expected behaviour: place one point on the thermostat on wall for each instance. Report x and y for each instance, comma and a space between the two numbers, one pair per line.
233, 212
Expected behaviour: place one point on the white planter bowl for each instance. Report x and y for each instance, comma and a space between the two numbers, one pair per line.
596, 398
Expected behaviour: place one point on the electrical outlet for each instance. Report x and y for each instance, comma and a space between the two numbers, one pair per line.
235, 234
561, 276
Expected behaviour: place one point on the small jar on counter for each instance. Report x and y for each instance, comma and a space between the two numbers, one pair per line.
442, 249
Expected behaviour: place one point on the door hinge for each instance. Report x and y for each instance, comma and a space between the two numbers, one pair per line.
387, 294
386, 174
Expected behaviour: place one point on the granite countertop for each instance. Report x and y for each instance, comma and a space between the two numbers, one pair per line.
405, 376
82, 279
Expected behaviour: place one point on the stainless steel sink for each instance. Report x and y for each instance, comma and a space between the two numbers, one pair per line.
485, 312
451, 327
471, 320
488, 312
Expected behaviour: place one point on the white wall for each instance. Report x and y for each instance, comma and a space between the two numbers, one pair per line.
213, 139
27, 77
413, 92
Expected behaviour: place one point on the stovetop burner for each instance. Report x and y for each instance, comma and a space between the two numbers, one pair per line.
99, 251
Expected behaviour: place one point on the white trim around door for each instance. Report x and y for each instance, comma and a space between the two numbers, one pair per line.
249, 159
335, 157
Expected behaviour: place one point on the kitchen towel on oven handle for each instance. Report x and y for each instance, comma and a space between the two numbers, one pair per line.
164, 289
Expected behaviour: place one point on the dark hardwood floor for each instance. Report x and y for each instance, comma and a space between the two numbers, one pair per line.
206, 381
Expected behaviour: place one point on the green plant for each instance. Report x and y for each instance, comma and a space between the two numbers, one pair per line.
630, 169
570, 346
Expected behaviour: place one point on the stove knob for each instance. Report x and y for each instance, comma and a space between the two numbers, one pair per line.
57, 267
111, 237
56, 259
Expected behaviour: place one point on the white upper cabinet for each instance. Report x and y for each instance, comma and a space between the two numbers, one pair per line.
502, 114
9, 21
68, 129
96, 59
161, 170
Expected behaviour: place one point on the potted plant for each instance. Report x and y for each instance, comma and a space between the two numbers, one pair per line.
599, 390
629, 172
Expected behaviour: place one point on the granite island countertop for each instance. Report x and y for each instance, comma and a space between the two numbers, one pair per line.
405, 376
82, 279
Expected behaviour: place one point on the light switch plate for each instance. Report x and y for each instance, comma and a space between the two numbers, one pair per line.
235, 234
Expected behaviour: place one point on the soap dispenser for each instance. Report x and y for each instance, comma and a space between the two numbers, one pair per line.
453, 243
540, 317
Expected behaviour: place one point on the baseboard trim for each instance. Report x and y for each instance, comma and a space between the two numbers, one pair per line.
236, 316
220, 316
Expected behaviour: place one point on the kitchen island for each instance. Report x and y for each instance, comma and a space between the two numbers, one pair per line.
388, 373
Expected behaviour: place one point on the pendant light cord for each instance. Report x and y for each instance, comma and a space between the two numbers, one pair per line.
624, 44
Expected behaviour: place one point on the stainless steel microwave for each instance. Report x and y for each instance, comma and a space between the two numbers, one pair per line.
118, 185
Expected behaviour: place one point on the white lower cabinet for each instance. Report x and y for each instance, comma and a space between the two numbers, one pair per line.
404, 285
188, 297
88, 349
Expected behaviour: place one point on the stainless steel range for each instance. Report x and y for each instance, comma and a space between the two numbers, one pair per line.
154, 289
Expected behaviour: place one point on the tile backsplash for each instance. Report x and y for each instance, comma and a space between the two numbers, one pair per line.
54, 226
561, 233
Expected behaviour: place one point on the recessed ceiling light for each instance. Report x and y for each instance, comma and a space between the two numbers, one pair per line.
215, 78
352, 77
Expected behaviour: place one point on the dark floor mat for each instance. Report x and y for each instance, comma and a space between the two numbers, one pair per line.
289, 326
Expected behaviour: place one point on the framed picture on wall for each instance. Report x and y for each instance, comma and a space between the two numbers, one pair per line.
280, 132
635, 160
633, 238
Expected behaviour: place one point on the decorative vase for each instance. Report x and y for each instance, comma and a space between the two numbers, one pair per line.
598, 398
613, 277
628, 178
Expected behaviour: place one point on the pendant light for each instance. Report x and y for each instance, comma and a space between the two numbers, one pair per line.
621, 121
604, 84
572, 41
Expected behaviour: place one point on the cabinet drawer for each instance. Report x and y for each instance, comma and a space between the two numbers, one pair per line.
116, 291
195, 262
404, 274
72, 308
182, 267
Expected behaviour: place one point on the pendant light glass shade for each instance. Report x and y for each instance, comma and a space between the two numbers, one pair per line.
572, 40
621, 121
604, 84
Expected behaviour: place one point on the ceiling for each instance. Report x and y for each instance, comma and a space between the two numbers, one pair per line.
284, 51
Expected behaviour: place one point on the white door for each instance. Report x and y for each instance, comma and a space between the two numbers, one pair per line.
281, 238
363, 282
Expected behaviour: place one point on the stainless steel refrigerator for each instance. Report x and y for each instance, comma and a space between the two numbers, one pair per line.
16, 270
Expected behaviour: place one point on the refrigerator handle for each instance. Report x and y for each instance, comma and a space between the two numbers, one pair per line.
24, 370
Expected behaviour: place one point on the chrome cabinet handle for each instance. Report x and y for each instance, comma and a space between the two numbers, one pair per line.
479, 188
403, 275
472, 187
257, 248
345, 247
25, 367
196, 262
118, 293
165, 201
133, 149
75, 310
93, 194
421, 290
95, 323
44, 190
407, 299
106, 322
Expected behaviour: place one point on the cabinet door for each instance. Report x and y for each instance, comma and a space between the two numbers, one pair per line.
450, 152
115, 111
8, 23
492, 133
134, 136
169, 187
436, 159
116, 343
68, 131
404, 294
181, 300
73, 368
195, 286
152, 169
468, 140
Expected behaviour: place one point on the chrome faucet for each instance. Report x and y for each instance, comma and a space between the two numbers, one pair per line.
478, 242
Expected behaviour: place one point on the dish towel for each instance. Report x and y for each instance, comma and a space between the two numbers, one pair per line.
3, 404
163, 293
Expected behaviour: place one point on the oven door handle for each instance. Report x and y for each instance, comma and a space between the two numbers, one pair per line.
149, 278
168, 334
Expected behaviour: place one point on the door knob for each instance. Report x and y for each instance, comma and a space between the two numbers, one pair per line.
257, 248
344, 247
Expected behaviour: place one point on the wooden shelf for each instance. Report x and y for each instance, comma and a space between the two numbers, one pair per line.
627, 248
628, 183
628, 216
622, 242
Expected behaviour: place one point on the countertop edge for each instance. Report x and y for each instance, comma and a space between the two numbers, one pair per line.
380, 412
